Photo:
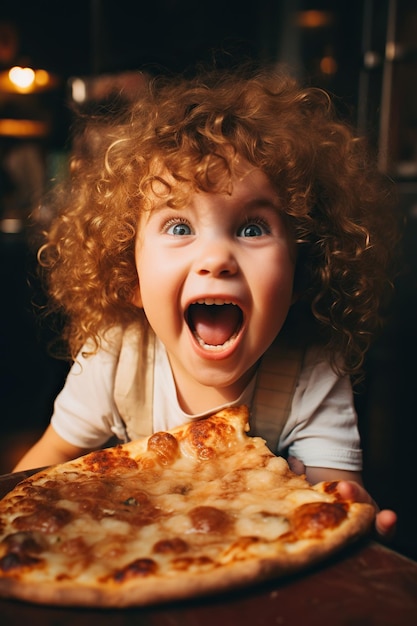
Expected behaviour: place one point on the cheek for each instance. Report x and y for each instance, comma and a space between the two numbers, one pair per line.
157, 285
148, 294
277, 278
274, 296
144, 269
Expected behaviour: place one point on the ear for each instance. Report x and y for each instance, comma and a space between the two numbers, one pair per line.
137, 298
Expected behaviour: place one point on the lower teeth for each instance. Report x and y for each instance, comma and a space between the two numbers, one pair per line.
214, 348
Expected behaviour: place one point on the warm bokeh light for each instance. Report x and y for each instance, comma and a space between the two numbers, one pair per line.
25, 80
78, 90
22, 77
23, 128
314, 19
42, 78
328, 65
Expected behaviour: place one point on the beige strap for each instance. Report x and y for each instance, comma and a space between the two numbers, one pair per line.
133, 392
276, 382
277, 379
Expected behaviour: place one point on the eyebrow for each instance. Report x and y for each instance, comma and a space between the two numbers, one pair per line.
267, 202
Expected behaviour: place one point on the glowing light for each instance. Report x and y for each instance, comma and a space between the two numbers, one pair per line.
79, 90
22, 128
22, 77
328, 65
42, 78
314, 19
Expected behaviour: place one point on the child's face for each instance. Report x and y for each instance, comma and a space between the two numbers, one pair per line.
216, 283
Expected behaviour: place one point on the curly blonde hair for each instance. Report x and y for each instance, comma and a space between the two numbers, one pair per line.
337, 204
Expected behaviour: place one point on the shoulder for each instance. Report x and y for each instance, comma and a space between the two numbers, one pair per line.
111, 342
317, 363
320, 386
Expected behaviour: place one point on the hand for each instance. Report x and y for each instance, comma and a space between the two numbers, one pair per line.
350, 488
386, 520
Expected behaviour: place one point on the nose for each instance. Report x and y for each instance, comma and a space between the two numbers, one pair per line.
216, 258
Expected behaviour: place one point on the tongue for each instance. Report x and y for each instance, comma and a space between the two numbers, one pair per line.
214, 324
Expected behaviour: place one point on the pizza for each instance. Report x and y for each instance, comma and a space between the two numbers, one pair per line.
204, 508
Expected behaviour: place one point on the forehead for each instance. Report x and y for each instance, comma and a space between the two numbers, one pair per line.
235, 178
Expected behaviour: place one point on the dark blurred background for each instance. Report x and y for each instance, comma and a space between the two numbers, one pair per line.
73, 53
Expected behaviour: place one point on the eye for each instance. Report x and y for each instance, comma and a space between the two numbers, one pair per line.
254, 228
177, 227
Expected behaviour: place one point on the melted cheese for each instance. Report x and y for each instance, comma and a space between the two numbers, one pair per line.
180, 502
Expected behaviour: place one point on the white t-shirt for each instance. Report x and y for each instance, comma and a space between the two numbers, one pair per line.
321, 430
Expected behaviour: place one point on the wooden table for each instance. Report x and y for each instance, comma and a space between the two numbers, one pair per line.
366, 585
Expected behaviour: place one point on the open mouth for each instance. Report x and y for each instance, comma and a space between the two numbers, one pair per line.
214, 323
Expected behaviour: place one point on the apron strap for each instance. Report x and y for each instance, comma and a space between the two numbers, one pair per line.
133, 389
277, 379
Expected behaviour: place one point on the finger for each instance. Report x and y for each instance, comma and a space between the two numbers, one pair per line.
386, 522
352, 491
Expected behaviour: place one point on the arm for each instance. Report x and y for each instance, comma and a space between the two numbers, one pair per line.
84, 413
51, 449
350, 488
323, 428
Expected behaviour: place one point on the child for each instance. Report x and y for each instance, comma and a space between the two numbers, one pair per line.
220, 224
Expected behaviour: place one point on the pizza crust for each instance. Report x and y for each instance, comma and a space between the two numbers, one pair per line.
202, 509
